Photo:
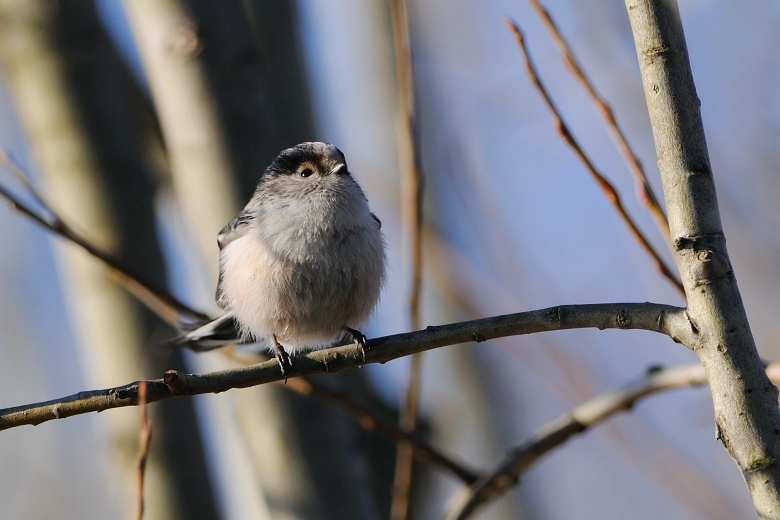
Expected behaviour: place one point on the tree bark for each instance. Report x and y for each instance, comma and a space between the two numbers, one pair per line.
747, 417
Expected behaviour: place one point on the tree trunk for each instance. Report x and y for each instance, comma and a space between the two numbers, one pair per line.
747, 417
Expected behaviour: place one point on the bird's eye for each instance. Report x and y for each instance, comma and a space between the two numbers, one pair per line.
306, 172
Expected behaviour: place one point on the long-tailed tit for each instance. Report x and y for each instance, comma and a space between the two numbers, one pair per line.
303, 264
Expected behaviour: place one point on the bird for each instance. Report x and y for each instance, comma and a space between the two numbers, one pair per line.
302, 265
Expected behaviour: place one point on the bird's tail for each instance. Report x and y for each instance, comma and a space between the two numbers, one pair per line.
208, 335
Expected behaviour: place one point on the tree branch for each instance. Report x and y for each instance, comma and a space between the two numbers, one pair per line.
578, 420
665, 319
646, 193
159, 301
144, 441
744, 400
371, 420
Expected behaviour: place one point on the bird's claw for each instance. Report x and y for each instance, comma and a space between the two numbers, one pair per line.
285, 363
360, 341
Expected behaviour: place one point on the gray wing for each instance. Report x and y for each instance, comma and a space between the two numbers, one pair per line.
235, 229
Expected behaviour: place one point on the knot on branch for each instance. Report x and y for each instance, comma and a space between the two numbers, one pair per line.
175, 381
759, 463
706, 261
697, 242
622, 320
708, 265
653, 52
126, 392
721, 435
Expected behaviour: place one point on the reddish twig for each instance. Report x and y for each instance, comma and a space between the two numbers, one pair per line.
644, 189
404, 458
412, 180
604, 184
144, 441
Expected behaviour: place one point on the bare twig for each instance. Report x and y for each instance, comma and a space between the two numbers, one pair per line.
578, 420
412, 181
665, 319
602, 181
159, 301
145, 439
412, 177
369, 419
404, 457
18, 173
644, 189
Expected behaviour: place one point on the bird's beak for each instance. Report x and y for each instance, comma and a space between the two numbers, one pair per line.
341, 168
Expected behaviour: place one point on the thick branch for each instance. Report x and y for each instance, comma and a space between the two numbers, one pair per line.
745, 401
665, 319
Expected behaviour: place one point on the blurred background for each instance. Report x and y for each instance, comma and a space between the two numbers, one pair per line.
146, 124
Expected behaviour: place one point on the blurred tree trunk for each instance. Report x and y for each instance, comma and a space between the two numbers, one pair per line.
229, 100
84, 118
274, 24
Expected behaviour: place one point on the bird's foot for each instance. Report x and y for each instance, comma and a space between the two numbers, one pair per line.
285, 364
360, 340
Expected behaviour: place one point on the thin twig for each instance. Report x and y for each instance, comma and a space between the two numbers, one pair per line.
655, 317
404, 457
578, 420
644, 189
413, 195
409, 158
604, 184
372, 420
144, 441
159, 301
368, 418
18, 173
